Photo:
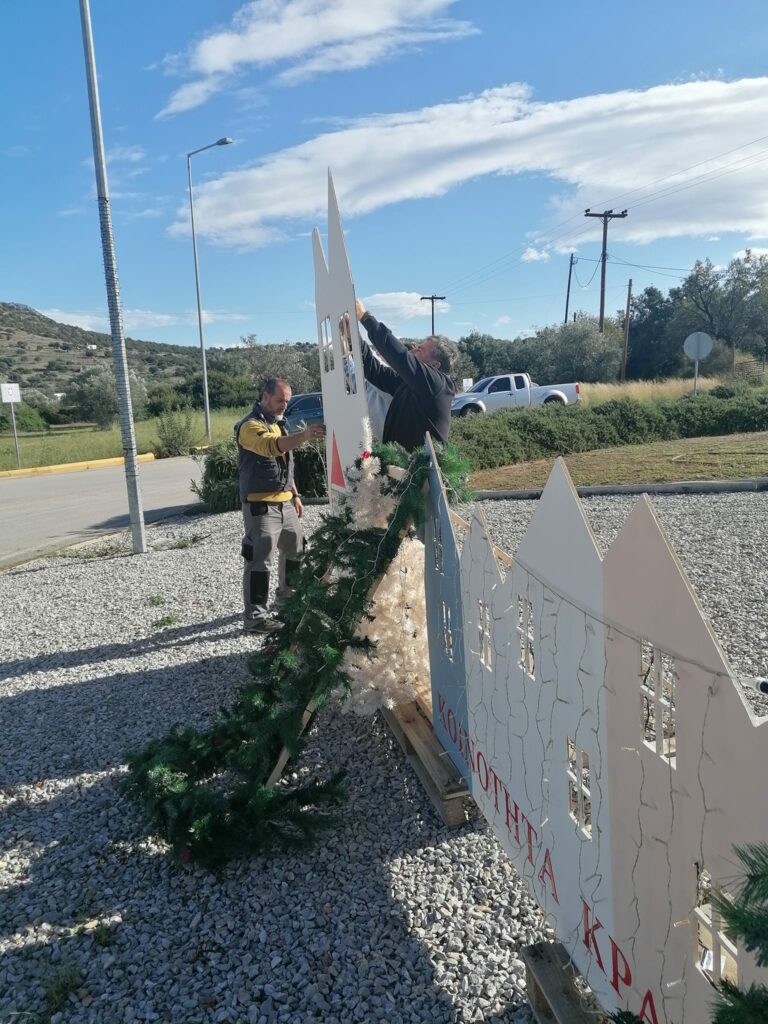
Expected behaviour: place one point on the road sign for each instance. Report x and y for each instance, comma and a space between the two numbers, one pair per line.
11, 395
466, 383
697, 345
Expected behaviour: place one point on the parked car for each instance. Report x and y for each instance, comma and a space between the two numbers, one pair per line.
305, 409
512, 391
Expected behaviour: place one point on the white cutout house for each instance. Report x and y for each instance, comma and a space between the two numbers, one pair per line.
345, 408
607, 744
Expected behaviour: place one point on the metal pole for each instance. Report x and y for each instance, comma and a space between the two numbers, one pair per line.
696, 377
626, 333
113, 293
568, 291
206, 406
15, 437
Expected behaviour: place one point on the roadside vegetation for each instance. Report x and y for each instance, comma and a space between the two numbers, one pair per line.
700, 458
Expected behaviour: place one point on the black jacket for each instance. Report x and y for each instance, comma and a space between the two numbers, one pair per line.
421, 395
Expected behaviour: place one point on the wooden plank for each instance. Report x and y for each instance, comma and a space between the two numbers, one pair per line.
444, 786
282, 760
552, 990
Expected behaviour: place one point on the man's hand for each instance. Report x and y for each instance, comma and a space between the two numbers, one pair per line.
298, 506
360, 309
312, 431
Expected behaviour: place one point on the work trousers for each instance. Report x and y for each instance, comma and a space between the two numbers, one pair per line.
269, 525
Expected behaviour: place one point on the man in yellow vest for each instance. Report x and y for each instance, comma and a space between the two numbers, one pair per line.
271, 504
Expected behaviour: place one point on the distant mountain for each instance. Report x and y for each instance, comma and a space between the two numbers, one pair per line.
38, 352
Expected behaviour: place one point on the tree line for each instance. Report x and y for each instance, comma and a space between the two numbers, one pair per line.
729, 303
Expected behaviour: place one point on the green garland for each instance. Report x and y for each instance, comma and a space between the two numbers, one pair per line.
206, 792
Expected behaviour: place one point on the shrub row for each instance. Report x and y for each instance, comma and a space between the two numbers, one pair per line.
519, 435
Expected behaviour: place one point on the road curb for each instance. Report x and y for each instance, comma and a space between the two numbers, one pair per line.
757, 483
71, 467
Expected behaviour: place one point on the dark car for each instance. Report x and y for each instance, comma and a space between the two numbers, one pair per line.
305, 409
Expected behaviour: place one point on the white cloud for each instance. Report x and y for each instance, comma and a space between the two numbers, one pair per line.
502, 321
534, 255
138, 319
401, 305
754, 251
600, 149
308, 38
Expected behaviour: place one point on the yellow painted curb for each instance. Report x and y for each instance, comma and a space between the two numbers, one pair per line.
70, 467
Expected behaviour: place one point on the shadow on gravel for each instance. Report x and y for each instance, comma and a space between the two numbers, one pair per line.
158, 639
89, 726
151, 515
321, 937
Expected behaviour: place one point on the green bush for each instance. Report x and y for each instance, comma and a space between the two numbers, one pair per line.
519, 435
309, 469
27, 418
219, 487
175, 434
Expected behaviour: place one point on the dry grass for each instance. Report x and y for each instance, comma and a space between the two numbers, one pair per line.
697, 458
639, 390
81, 445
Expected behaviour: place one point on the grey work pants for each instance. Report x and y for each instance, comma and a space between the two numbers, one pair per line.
269, 526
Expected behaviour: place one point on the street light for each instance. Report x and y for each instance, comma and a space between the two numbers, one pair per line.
219, 142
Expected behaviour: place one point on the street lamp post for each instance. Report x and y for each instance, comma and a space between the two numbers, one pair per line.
219, 142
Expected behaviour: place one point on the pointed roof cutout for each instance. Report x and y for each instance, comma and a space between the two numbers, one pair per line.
337, 248
648, 592
560, 543
337, 473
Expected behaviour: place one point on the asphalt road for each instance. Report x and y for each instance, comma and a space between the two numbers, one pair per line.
43, 513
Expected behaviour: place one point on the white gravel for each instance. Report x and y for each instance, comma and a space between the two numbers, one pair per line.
392, 918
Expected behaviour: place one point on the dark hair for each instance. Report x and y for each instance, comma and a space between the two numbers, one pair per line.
446, 353
270, 384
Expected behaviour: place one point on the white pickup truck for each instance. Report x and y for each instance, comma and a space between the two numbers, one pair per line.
512, 391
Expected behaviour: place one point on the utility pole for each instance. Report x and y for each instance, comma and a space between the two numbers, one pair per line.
136, 513
605, 216
568, 292
433, 299
626, 333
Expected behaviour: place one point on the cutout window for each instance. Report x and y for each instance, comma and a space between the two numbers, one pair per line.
345, 337
658, 702
437, 543
525, 656
447, 631
716, 953
326, 345
484, 633
579, 793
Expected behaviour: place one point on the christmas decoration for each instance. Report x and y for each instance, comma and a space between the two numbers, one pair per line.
207, 792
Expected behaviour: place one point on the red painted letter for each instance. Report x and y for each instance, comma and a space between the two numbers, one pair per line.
441, 710
452, 731
626, 975
496, 784
479, 772
546, 872
589, 935
512, 815
649, 1007
531, 833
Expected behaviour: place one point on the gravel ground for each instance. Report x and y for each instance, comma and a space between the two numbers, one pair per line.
392, 918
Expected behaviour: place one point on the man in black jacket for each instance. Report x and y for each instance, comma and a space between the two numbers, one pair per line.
419, 380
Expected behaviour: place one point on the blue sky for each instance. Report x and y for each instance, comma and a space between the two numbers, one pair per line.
465, 139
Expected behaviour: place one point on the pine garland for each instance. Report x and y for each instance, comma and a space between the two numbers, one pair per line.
206, 792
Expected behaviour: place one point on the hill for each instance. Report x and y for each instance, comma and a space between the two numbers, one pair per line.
38, 352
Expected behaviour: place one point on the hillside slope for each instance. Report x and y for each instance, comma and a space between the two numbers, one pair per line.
38, 352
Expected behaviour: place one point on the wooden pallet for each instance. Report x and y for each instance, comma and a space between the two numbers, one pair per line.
444, 785
552, 992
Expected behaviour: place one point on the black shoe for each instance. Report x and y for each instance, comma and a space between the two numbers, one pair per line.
264, 624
